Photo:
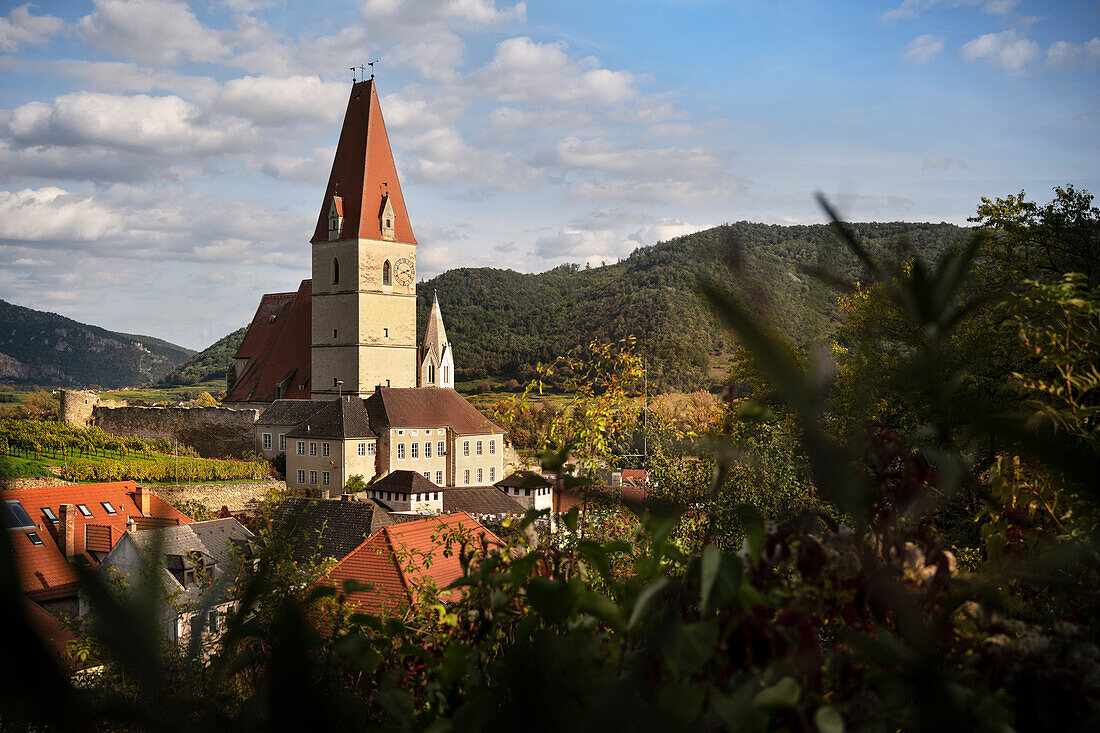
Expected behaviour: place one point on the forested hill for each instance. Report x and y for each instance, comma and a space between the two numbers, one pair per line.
210, 363
48, 349
502, 322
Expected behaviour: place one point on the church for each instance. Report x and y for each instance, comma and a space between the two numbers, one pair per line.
336, 367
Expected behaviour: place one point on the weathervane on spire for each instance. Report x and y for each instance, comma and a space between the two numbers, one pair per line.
361, 76
371, 65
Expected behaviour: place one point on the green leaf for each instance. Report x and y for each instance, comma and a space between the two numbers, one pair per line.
554, 600
682, 701
688, 647
708, 573
646, 598
602, 608
358, 650
754, 529
783, 694
828, 720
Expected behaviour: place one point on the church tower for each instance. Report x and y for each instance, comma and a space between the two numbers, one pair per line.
364, 264
437, 364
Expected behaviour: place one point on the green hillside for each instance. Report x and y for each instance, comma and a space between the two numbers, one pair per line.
48, 349
502, 322
207, 365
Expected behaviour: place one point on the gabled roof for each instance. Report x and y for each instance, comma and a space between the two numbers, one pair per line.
44, 572
479, 501
523, 479
425, 407
363, 173
289, 412
322, 528
407, 482
52, 632
277, 347
340, 419
393, 561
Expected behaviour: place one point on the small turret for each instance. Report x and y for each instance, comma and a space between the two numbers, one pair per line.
436, 361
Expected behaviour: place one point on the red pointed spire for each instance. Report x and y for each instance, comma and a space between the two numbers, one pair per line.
363, 174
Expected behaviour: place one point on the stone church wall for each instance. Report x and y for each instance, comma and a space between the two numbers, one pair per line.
215, 432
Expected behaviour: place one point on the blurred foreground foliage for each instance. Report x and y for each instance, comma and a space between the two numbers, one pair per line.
897, 531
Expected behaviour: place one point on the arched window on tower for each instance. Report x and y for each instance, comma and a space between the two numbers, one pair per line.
335, 271
386, 273
431, 373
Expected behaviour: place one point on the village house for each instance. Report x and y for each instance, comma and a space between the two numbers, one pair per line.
321, 530
54, 527
401, 562
530, 489
403, 494
331, 445
199, 565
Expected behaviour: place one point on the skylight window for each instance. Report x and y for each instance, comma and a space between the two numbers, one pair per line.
35, 539
107, 506
49, 514
15, 516
84, 509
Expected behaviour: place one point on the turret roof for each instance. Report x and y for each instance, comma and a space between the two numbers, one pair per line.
434, 333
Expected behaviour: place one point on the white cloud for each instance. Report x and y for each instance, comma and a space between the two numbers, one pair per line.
443, 156
1006, 49
624, 160
164, 126
417, 110
436, 57
153, 32
278, 101
411, 17
313, 168
524, 70
20, 28
605, 235
124, 76
909, 9
923, 49
942, 163
1065, 53
52, 214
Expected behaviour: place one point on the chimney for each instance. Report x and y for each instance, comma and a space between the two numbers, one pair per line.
131, 524
66, 530
141, 498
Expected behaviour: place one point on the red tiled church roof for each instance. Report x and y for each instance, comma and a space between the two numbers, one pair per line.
392, 561
43, 570
277, 347
363, 173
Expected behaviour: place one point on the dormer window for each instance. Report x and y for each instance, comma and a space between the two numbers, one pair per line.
386, 218
335, 218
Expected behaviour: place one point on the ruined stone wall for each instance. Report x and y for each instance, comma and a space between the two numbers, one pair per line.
215, 432
238, 497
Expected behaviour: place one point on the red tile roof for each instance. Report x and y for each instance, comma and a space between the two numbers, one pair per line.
51, 631
277, 347
392, 561
363, 173
425, 407
44, 572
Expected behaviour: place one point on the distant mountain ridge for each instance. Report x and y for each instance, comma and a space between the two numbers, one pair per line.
208, 364
47, 349
502, 322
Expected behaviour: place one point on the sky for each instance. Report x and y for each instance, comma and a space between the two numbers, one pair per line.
162, 163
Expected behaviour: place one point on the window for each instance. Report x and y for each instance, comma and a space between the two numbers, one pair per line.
49, 514
441, 448
324, 449
386, 334
431, 374
415, 449
313, 477
35, 539
479, 447
301, 448
479, 476
492, 447
282, 443
527, 492
386, 273
335, 267
301, 476
466, 476
107, 507
267, 441
428, 475
492, 473
400, 451
439, 477
335, 333
427, 449
362, 449
446, 374
465, 447
412, 432
370, 449
84, 510
312, 448
436, 496
324, 478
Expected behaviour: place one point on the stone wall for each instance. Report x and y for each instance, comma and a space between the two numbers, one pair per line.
238, 497
215, 432
77, 406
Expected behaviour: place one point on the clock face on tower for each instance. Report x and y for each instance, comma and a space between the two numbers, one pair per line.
403, 271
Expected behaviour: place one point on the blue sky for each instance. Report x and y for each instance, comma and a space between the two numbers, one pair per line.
162, 162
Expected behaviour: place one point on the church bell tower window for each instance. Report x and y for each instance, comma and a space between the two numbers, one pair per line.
386, 279
335, 271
